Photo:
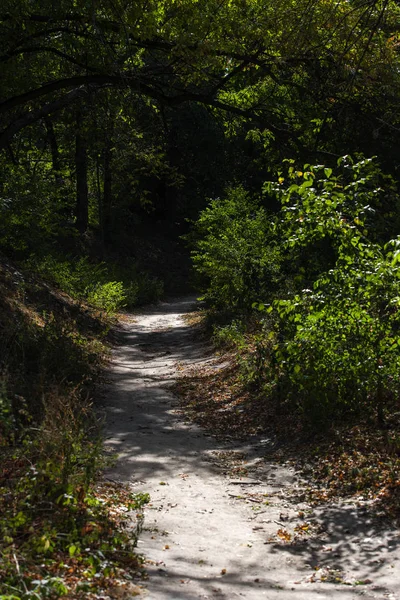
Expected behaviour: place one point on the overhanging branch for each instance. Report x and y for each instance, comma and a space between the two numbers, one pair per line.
83, 84
35, 115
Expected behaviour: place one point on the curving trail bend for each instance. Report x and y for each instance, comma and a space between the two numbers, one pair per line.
205, 536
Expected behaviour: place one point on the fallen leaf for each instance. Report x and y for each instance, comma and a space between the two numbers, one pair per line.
284, 535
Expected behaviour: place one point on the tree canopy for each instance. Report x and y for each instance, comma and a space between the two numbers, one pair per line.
242, 57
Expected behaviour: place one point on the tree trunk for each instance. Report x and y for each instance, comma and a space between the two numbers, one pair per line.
107, 198
100, 204
82, 199
55, 155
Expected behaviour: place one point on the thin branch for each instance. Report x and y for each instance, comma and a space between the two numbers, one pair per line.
36, 115
33, 49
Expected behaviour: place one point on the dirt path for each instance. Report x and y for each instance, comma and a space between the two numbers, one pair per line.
210, 536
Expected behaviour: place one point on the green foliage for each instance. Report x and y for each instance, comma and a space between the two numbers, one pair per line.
108, 296
106, 286
51, 508
236, 253
316, 203
231, 335
54, 519
34, 213
140, 287
336, 345
75, 277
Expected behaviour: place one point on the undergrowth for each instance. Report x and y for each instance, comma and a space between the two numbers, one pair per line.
61, 533
105, 285
307, 301
353, 457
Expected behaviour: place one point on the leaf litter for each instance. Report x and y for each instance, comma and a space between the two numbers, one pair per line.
359, 462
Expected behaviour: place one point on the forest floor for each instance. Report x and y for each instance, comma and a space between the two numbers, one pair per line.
226, 519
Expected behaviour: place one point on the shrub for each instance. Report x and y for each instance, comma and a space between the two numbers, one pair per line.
140, 287
53, 519
110, 296
231, 335
236, 253
106, 286
73, 276
336, 347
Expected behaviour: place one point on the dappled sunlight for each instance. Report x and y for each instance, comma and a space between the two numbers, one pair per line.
252, 534
140, 411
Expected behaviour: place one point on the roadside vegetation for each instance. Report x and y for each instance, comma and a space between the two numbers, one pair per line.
310, 315
62, 533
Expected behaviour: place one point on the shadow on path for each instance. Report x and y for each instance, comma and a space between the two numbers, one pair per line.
195, 526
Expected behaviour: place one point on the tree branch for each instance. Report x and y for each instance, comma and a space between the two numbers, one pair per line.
128, 80
69, 18
33, 49
36, 115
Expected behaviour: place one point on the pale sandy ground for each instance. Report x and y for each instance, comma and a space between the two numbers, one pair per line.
200, 539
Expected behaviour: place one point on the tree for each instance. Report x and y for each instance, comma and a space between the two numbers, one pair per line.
226, 55
274, 81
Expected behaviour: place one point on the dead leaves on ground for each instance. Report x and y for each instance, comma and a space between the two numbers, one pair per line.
360, 461
215, 398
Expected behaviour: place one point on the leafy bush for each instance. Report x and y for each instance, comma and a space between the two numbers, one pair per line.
230, 336
106, 286
51, 509
110, 296
34, 213
236, 253
336, 346
140, 287
75, 277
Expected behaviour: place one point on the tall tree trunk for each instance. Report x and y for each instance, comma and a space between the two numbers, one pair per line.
55, 155
82, 199
107, 198
100, 204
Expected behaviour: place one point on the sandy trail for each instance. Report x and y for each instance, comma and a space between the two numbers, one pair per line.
200, 539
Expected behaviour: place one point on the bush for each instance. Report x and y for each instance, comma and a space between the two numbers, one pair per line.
140, 287
53, 519
73, 276
106, 286
110, 296
230, 336
236, 253
336, 347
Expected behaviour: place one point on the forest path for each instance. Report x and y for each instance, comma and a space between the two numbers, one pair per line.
207, 535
